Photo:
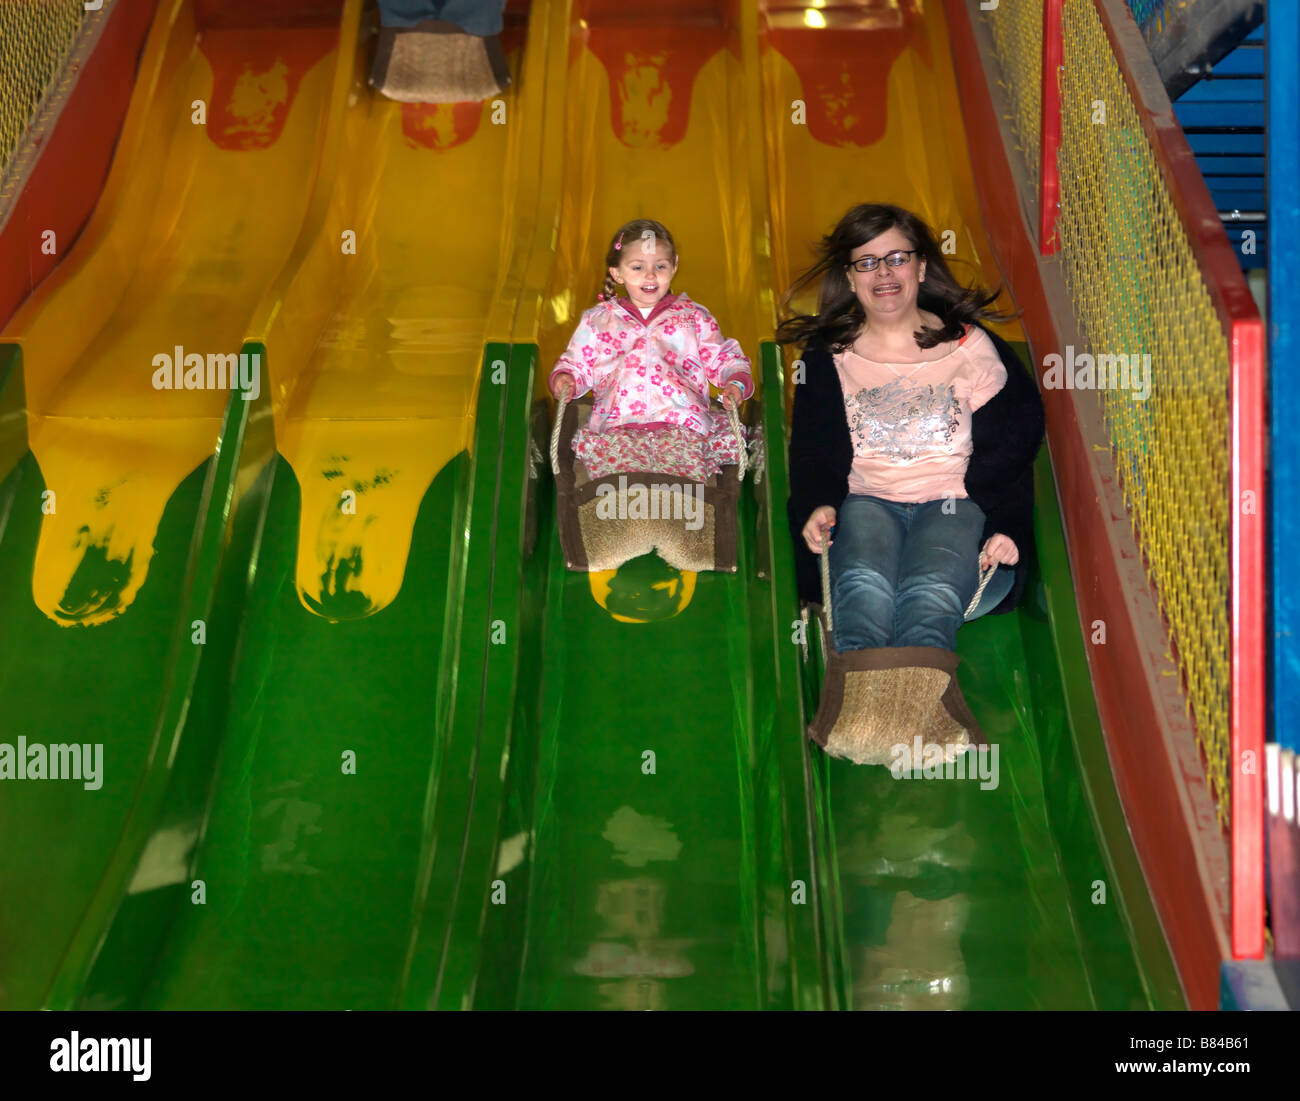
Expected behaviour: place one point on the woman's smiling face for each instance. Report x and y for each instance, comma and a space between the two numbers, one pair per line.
887, 293
646, 269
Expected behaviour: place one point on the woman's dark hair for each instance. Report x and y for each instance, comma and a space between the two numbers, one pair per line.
631, 235
840, 315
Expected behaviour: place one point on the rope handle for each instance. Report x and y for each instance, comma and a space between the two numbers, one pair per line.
825, 557
733, 416
985, 577
555, 435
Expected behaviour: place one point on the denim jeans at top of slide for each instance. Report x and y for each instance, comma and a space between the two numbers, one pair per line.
902, 574
479, 17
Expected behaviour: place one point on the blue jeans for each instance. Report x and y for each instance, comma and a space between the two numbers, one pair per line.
480, 17
902, 574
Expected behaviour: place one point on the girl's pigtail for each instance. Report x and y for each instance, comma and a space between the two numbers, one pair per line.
609, 289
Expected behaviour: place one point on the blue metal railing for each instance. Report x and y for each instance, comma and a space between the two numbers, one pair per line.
1283, 91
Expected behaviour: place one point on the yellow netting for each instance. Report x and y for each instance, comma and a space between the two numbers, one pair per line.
1137, 292
1017, 30
35, 39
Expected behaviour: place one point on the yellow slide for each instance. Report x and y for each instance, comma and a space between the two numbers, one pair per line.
215, 165
373, 323
860, 105
375, 332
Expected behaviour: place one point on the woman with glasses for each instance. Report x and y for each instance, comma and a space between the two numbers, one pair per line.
911, 452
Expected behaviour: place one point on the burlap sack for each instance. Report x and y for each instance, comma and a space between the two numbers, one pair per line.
437, 62
874, 701
592, 541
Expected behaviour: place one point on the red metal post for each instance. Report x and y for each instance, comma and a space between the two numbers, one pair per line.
1248, 644
1050, 134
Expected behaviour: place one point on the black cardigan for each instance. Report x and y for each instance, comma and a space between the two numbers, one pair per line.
1006, 433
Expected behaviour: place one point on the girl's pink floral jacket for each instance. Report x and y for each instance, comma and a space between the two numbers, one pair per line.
655, 370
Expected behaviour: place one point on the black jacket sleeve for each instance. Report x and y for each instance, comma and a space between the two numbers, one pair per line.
1006, 433
819, 463
821, 455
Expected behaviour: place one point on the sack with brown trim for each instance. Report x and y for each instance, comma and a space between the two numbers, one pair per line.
438, 62
610, 520
874, 701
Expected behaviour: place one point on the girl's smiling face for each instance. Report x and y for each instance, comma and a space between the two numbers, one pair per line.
646, 269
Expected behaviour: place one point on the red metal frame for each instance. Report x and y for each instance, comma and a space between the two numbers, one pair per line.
1149, 737
66, 179
1244, 329
1049, 192
1249, 664
1159, 779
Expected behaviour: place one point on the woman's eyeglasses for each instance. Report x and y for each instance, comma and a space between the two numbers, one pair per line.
895, 259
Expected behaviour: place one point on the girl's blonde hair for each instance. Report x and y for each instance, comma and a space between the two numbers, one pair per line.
639, 229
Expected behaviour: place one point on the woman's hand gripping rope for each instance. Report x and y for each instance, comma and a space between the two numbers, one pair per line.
999, 550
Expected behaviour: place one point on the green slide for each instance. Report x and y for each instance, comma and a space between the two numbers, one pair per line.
308, 886
1019, 891
741, 868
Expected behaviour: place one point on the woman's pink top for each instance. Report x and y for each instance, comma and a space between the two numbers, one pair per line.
910, 422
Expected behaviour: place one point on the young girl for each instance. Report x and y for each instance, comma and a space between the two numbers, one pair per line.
649, 357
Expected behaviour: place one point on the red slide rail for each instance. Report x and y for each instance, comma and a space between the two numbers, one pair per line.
73, 158
1208, 910
1244, 330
